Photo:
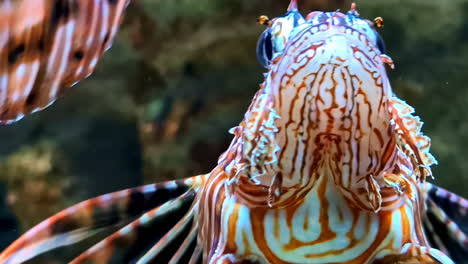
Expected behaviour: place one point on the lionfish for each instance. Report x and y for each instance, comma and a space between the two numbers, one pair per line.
327, 166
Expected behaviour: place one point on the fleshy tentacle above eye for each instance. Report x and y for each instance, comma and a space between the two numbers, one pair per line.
47, 46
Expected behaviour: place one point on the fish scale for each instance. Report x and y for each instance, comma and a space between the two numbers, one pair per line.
327, 166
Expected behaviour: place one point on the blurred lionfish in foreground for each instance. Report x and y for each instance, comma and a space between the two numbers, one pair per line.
327, 166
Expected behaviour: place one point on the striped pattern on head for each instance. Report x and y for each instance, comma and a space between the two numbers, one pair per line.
325, 104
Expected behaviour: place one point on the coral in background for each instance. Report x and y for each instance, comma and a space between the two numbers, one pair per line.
33, 175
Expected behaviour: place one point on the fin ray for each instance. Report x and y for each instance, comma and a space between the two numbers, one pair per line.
84, 220
124, 241
446, 222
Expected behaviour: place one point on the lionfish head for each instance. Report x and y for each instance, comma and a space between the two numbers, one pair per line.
281, 30
323, 108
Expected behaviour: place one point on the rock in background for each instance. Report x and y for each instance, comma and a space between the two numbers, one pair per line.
183, 72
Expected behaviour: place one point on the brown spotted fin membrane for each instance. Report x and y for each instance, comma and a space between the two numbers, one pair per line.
135, 225
446, 222
46, 46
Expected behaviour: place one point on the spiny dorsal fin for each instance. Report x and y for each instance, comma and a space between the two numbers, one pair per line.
446, 222
142, 216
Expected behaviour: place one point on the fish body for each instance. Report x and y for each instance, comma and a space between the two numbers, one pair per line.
327, 166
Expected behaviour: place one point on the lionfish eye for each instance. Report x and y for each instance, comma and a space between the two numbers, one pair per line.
265, 48
380, 43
